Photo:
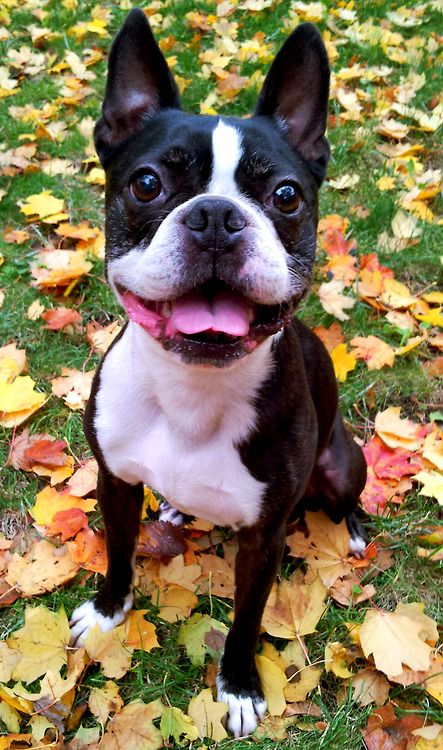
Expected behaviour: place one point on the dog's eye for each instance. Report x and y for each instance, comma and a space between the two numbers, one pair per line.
145, 186
287, 198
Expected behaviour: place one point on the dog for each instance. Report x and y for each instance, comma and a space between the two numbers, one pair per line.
214, 394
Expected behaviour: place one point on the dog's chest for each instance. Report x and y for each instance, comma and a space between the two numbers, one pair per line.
179, 435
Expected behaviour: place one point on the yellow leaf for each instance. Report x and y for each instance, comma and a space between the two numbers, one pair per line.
42, 205
207, 715
110, 650
433, 448
294, 607
432, 482
434, 317
433, 297
140, 633
175, 603
326, 549
104, 701
10, 717
394, 639
396, 295
343, 362
397, 432
386, 183
345, 181
409, 346
337, 659
59, 267
8, 659
301, 682
174, 723
273, 681
42, 642
49, 502
21, 704
43, 568
20, 395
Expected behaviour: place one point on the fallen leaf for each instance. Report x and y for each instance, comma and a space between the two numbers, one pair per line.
374, 351
397, 432
42, 642
325, 550
273, 681
370, 686
133, 729
105, 701
49, 502
43, 568
193, 633
396, 638
294, 607
174, 723
343, 362
333, 300
207, 715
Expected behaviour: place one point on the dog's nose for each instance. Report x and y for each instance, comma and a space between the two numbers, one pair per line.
215, 224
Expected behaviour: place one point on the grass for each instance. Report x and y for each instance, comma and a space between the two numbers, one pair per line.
166, 672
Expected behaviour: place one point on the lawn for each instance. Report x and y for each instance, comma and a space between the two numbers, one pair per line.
377, 303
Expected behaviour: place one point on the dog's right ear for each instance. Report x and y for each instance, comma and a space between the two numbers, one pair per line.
139, 83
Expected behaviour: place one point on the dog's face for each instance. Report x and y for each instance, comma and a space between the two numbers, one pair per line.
211, 222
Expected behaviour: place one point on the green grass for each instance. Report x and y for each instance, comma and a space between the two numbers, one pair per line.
166, 672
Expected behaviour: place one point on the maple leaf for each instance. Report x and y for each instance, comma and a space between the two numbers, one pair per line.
160, 539
67, 523
326, 549
84, 480
432, 482
294, 607
49, 502
18, 400
331, 337
174, 723
62, 317
74, 386
385, 731
397, 638
374, 351
370, 686
43, 568
174, 602
59, 267
207, 715
192, 636
140, 634
397, 432
333, 300
42, 643
105, 701
44, 206
133, 728
273, 681
343, 362
217, 576
88, 550
110, 650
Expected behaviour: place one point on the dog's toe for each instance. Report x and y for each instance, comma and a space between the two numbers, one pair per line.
170, 514
244, 711
87, 615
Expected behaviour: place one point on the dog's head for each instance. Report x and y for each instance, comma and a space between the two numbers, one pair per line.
211, 221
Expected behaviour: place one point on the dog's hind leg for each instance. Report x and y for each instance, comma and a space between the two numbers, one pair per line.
120, 504
337, 481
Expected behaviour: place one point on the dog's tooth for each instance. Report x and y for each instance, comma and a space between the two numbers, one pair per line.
166, 309
251, 313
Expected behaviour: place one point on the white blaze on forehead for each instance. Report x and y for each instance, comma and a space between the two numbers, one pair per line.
226, 154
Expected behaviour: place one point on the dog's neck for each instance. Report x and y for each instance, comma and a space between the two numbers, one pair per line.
196, 400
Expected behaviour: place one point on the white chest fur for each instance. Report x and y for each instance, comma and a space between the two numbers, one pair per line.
175, 427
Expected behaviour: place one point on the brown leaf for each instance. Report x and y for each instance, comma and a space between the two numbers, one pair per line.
133, 729
88, 549
385, 732
160, 539
43, 568
67, 523
370, 686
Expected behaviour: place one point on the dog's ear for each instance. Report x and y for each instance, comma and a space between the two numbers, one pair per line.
139, 83
296, 91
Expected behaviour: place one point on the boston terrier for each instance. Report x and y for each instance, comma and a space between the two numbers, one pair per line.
214, 394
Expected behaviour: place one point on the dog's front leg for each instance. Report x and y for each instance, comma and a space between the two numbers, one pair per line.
120, 504
258, 558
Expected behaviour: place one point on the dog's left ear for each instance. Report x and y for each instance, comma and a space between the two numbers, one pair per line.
139, 83
296, 91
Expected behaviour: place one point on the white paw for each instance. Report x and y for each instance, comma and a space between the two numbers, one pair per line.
86, 616
170, 514
244, 712
357, 545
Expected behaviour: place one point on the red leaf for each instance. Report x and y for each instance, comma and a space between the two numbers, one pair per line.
61, 317
67, 523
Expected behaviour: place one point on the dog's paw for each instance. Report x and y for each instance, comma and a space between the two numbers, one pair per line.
87, 615
170, 514
244, 711
357, 545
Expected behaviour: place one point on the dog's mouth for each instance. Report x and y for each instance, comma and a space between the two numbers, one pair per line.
213, 323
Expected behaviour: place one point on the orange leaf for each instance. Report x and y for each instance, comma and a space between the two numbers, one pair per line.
61, 317
330, 337
88, 549
67, 523
374, 351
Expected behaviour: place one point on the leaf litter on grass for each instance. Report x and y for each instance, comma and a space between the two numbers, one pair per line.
60, 247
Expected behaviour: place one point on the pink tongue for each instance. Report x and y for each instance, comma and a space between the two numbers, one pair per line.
226, 313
